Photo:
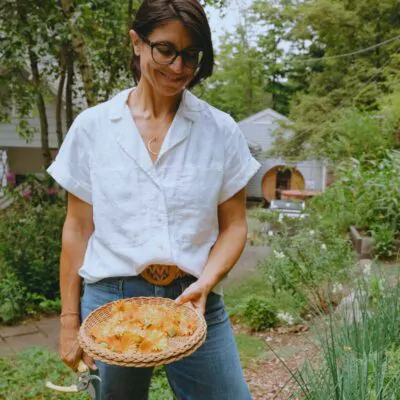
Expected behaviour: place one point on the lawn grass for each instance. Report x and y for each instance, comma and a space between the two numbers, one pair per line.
23, 376
249, 347
237, 294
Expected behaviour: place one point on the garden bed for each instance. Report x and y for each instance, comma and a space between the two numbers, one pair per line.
365, 245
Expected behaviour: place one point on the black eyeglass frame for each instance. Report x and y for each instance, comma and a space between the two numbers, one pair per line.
178, 53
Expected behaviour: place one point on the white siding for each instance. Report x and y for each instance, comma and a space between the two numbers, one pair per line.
312, 172
10, 138
260, 133
261, 127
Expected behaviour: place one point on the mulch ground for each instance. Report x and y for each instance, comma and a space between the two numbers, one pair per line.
269, 376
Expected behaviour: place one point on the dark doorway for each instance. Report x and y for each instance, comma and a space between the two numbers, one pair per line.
283, 178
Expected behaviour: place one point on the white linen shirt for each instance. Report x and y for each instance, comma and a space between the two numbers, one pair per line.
152, 213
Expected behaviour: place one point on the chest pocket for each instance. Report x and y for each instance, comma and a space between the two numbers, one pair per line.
193, 200
118, 211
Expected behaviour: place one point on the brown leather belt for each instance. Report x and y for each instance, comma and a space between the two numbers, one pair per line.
162, 275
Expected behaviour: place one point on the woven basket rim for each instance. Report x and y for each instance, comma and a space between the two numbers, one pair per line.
138, 359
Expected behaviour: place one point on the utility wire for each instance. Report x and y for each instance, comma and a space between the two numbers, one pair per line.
353, 97
354, 53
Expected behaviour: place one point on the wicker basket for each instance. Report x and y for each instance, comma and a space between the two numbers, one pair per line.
178, 346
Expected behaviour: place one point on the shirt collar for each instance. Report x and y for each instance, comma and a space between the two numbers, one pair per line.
190, 106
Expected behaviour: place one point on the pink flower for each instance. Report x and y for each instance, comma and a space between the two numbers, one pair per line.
52, 191
11, 178
27, 193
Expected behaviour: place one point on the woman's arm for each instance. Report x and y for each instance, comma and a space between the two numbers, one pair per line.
225, 253
231, 240
78, 228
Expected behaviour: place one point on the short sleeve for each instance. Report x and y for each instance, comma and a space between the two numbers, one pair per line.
71, 168
239, 166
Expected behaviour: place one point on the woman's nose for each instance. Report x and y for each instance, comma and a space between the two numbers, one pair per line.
178, 65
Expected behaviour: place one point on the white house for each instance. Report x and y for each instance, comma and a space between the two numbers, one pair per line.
277, 174
25, 156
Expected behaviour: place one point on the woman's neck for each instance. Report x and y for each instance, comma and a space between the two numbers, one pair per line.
144, 100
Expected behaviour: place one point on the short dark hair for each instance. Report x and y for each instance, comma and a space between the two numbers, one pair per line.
154, 13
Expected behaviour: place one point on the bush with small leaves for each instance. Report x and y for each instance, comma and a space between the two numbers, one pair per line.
260, 313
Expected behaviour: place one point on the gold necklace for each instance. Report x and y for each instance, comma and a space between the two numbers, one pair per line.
155, 139
151, 140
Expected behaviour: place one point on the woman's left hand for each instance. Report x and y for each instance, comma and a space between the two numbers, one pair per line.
196, 294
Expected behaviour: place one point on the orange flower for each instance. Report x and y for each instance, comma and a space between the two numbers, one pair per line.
145, 328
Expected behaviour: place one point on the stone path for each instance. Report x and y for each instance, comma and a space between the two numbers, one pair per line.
45, 332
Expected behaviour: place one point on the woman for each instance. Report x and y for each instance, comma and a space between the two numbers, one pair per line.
156, 203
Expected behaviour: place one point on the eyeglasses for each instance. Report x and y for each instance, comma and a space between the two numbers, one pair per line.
165, 53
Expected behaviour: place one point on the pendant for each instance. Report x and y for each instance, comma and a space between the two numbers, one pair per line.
153, 139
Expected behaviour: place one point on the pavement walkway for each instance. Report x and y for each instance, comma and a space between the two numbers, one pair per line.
45, 332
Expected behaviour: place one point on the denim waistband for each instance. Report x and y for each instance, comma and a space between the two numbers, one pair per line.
118, 280
133, 286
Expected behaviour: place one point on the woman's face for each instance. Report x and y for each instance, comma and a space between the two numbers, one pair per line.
168, 80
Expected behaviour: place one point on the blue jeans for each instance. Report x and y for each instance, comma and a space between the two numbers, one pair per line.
213, 372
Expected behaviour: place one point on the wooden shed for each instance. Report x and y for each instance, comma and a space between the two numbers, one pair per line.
281, 178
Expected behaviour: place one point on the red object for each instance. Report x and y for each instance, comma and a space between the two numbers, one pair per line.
298, 194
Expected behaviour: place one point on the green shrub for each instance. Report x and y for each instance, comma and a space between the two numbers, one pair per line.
236, 298
16, 302
366, 194
336, 208
307, 262
356, 133
264, 215
260, 313
12, 298
384, 236
30, 239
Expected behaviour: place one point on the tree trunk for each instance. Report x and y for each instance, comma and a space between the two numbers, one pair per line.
69, 111
78, 45
85, 69
40, 103
60, 92
110, 83
129, 19
41, 106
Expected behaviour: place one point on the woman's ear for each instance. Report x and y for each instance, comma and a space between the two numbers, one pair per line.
136, 42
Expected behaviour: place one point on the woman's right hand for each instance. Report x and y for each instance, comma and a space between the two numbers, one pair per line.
70, 351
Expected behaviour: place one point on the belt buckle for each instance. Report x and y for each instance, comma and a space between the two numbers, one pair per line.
161, 274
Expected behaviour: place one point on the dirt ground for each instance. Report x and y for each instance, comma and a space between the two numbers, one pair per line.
288, 348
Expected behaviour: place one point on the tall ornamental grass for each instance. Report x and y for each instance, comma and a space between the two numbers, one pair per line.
360, 357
